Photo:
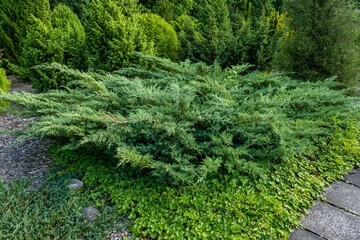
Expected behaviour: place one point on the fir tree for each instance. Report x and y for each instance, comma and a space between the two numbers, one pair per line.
61, 40
79, 7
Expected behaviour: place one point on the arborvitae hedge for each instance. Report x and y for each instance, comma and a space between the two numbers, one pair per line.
190, 121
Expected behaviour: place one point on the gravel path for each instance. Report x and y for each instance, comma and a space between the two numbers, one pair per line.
27, 158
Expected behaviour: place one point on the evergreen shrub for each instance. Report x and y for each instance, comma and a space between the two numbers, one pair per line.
224, 207
187, 122
4, 86
322, 41
161, 34
60, 40
113, 33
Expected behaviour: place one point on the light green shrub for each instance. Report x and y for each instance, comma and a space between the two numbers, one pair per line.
161, 34
62, 40
113, 33
4, 86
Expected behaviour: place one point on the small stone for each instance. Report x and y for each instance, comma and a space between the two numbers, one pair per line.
90, 213
75, 184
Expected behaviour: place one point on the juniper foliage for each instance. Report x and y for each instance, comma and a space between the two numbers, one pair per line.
189, 121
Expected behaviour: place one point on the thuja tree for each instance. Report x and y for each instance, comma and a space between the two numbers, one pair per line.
170, 10
16, 18
161, 33
187, 121
113, 34
62, 40
80, 7
322, 40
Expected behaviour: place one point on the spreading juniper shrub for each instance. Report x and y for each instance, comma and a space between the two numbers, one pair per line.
185, 121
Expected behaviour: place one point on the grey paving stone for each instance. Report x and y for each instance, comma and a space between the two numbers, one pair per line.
331, 222
344, 195
301, 234
353, 177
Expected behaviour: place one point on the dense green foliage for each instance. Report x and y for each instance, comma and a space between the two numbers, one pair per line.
225, 32
113, 35
324, 40
161, 33
77, 6
9, 30
60, 40
51, 212
219, 145
4, 85
225, 207
190, 121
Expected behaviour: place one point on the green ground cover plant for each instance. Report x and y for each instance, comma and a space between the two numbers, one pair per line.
51, 212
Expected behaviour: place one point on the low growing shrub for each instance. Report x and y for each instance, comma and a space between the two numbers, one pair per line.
224, 207
189, 122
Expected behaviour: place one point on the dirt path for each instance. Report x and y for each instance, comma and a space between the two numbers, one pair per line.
26, 159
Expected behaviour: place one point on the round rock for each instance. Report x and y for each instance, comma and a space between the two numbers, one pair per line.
90, 213
75, 184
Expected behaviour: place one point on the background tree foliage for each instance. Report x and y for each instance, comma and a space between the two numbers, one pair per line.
62, 40
323, 41
113, 34
314, 39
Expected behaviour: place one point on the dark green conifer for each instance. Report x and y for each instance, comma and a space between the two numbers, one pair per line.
323, 41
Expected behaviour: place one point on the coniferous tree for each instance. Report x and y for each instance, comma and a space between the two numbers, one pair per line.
28, 9
9, 30
322, 41
80, 7
4, 86
70, 34
62, 40
190, 37
161, 34
216, 29
113, 35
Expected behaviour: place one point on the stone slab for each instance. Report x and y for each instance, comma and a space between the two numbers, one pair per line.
331, 222
353, 177
344, 195
301, 234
